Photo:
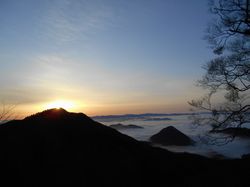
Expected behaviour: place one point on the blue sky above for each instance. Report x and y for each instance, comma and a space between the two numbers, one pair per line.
110, 56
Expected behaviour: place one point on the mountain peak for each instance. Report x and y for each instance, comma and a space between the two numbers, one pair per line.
56, 114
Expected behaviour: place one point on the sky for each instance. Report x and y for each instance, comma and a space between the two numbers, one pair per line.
102, 57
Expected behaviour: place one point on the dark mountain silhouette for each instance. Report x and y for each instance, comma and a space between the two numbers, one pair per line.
58, 148
171, 136
120, 126
146, 115
138, 116
157, 119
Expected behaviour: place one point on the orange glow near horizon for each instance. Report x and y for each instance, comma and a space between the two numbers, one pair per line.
94, 108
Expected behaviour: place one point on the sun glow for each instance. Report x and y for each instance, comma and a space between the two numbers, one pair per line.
60, 104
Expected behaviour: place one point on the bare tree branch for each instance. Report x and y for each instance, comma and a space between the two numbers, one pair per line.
229, 72
6, 113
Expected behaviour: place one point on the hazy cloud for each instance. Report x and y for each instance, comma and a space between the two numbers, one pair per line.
68, 20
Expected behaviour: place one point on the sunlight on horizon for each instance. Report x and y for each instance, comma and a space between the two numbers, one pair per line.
65, 104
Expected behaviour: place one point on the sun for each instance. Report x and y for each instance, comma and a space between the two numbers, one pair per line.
60, 104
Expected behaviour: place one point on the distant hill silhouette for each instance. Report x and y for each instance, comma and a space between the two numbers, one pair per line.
120, 126
146, 116
142, 115
59, 148
157, 119
171, 136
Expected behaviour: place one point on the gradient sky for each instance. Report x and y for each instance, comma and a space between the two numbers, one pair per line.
105, 56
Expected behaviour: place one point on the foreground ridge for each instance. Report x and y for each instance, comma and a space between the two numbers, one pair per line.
60, 148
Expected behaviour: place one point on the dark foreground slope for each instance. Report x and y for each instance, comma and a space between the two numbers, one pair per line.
58, 148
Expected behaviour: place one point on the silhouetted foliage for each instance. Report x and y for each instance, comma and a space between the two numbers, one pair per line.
6, 113
228, 74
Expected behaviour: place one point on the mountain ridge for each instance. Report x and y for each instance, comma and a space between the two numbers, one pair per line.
59, 148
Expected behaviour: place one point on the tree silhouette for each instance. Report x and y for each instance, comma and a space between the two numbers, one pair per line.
6, 113
228, 74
